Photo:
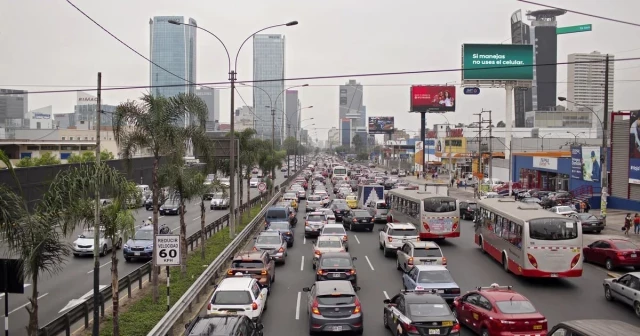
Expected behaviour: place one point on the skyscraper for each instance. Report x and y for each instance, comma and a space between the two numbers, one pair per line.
545, 53
292, 109
211, 98
585, 81
173, 47
522, 100
268, 72
351, 107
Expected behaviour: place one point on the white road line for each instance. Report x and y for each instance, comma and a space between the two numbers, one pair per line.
298, 306
356, 237
302, 264
195, 219
161, 217
26, 304
385, 294
101, 266
175, 228
369, 262
304, 240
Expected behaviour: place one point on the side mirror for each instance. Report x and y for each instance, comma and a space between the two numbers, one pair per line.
306, 289
386, 301
231, 258
259, 326
615, 280
356, 288
354, 258
314, 242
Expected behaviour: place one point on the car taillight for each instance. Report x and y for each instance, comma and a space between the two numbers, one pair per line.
281, 250
358, 307
345, 238
229, 272
321, 272
314, 307
444, 260
209, 306
254, 306
351, 272
355, 220
410, 261
306, 223
263, 272
455, 329
455, 291
409, 328
390, 239
575, 260
532, 260
255, 248
468, 208
317, 252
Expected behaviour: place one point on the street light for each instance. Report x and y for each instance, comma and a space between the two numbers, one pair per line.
542, 148
273, 114
575, 136
232, 82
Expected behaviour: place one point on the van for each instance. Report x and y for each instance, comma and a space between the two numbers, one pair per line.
378, 210
144, 189
276, 214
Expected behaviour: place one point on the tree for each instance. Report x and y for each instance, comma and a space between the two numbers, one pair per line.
269, 159
153, 123
358, 144
45, 159
247, 160
90, 156
501, 124
207, 187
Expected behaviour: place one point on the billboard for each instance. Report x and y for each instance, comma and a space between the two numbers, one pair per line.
418, 158
576, 163
585, 163
381, 125
432, 98
634, 147
497, 62
41, 116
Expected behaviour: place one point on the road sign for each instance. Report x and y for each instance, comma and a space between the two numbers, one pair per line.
573, 29
262, 186
167, 250
471, 90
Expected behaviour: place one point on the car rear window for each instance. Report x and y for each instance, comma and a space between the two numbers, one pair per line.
231, 298
247, 264
381, 205
516, 307
329, 244
360, 213
276, 213
434, 277
403, 232
335, 230
336, 262
316, 218
428, 309
336, 300
269, 240
472, 205
314, 198
427, 252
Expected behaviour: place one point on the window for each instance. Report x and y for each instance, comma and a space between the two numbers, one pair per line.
553, 229
64, 138
402, 232
472, 299
33, 148
333, 231
484, 303
70, 138
428, 309
241, 297
439, 204
561, 332
438, 277
515, 307
256, 290
251, 264
332, 300
427, 253
335, 262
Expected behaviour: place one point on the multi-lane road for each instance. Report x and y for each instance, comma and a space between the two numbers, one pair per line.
558, 299
57, 292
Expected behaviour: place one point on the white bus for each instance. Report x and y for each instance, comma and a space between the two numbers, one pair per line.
435, 217
339, 173
528, 240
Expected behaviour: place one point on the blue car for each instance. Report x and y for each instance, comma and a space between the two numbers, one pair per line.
285, 229
428, 277
140, 246
276, 214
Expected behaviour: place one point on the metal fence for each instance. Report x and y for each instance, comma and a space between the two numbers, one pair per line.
84, 310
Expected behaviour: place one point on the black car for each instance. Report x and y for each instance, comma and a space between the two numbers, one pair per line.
337, 266
589, 222
389, 184
223, 325
339, 210
467, 208
170, 207
357, 219
419, 313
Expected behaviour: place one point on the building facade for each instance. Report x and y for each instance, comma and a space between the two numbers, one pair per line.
333, 139
292, 112
84, 112
522, 99
211, 98
41, 118
351, 103
268, 72
244, 118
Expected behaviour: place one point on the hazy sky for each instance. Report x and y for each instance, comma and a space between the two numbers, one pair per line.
47, 43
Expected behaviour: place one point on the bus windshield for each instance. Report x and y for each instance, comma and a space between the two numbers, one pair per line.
440, 204
553, 229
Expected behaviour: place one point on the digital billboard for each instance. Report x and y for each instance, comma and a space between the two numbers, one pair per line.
634, 147
585, 163
381, 125
497, 62
432, 98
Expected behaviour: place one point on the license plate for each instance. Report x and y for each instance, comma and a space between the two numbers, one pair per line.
336, 328
554, 275
136, 253
439, 291
427, 262
447, 324
336, 275
434, 331
363, 221
537, 327
633, 255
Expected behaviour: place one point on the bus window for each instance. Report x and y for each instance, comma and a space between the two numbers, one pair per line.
553, 229
442, 204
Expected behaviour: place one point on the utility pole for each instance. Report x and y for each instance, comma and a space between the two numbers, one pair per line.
289, 155
96, 223
232, 158
479, 147
490, 143
604, 175
273, 128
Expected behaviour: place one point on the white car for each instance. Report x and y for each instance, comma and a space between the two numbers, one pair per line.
563, 210
84, 244
402, 173
331, 217
253, 183
225, 181
326, 244
239, 295
219, 201
394, 235
336, 230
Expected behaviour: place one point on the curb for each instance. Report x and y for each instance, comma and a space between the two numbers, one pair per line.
613, 275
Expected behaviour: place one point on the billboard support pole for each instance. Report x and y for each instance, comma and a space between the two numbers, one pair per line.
604, 177
423, 135
507, 132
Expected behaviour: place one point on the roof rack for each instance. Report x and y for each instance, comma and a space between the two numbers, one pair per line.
420, 290
494, 286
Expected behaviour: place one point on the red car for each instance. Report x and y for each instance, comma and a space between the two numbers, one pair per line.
612, 253
499, 311
303, 183
514, 186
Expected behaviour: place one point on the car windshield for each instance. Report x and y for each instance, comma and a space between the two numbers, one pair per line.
90, 235
564, 209
587, 217
277, 213
428, 309
218, 195
329, 244
434, 277
553, 229
290, 196
360, 213
440, 204
472, 205
270, 240
427, 252
352, 198
336, 262
625, 245
247, 264
316, 218
242, 297
333, 231
340, 206
143, 235
170, 205
255, 180
403, 232
314, 198
336, 300
279, 226
516, 307
381, 205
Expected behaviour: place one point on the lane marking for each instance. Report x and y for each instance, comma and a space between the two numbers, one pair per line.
298, 306
101, 266
160, 217
304, 240
26, 304
302, 264
385, 294
195, 219
369, 262
175, 228
356, 237
613, 274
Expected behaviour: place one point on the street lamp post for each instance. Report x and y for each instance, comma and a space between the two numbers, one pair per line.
273, 114
542, 147
232, 82
575, 136
297, 128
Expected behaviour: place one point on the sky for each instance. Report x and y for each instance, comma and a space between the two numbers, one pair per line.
49, 45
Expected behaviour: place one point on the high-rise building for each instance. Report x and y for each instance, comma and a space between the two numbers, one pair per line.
211, 98
586, 79
333, 137
351, 103
522, 100
244, 118
84, 112
173, 47
13, 107
345, 132
292, 109
268, 72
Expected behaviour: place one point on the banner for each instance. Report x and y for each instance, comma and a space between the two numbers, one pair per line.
432, 98
418, 158
576, 163
591, 169
381, 125
634, 147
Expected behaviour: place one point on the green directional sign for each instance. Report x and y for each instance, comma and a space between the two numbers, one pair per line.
573, 29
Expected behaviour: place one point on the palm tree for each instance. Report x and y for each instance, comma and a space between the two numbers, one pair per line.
153, 124
269, 159
247, 160
209, 187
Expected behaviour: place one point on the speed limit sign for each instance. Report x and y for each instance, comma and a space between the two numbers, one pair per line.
262, 186
167, 250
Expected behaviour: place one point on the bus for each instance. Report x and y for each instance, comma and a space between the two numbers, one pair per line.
339, 172
528, 240
435, 216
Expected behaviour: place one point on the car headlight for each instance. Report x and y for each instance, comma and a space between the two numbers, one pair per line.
150, 247
125, 246
175, 209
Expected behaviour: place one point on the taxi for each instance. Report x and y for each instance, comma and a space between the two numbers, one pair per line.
352, 201
419, 312
292, 198
239, 295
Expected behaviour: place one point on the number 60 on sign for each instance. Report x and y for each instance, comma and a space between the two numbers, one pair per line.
167, 250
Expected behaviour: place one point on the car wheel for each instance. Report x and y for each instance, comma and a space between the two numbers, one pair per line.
127, 259
607, 293
505, 263
398, 265
360, 332
385, 322
598, 231
380, 245
76, 255
636, 308
385, 251
608, 264
284, 261
104, 250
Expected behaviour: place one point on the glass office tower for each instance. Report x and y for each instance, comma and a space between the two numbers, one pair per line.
268, 64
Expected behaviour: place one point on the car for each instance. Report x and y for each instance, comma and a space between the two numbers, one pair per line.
593, 327
394, 235
339, 210
292, 198
241, 295
84, 244
314, 223
402, 173
490, 194
431, 277
219, 201
324, 245
256, 263
171, 207
313, 203
283, 169
344, 191
625, 289
352, 201
479, 309
336, 266
334, 306
531, 200
225, 181
467, 208
394, 171
357, 219
273, 243
223, 324
276, 214
419, 253
589, 222
140, 246
419, 312
254, 170
260, 174
562, 210
336, 230
378, 210
285, 229
253, 183
613, 253
331, 217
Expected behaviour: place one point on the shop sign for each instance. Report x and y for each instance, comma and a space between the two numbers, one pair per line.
454, 133
431, 135
545, 163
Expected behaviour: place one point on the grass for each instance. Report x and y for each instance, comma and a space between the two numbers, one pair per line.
140, 316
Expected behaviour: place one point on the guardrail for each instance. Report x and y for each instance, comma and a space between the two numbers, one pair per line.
84, 310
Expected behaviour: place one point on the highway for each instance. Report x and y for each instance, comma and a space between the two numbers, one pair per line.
76, 278
558, 299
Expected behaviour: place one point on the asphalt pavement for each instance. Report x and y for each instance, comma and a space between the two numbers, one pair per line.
558, 299
62, 291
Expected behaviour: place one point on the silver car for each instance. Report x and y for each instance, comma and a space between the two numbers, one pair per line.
334, 306
326, 244
625, 289
314, 223
219, 201
314, 202
84, 244
273, 243
419, 253
336, 230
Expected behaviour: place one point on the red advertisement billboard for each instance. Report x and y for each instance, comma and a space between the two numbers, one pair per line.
433, 98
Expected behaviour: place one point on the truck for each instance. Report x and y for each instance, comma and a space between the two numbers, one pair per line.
368, 193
